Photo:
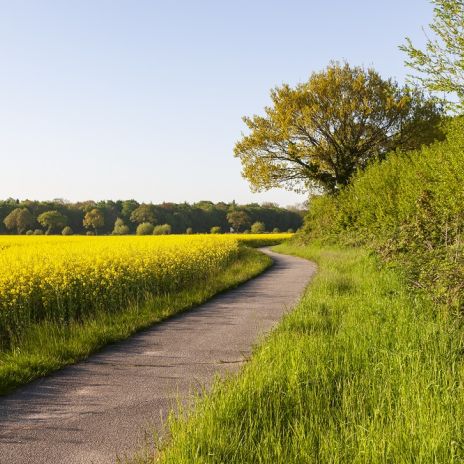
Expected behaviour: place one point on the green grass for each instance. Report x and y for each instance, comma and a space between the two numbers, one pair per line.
363, 370
47, 347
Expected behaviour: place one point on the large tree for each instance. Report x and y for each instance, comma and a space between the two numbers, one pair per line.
441, 64
52, 220
239, 220
144, 213
318, 133
94, 219
19, 219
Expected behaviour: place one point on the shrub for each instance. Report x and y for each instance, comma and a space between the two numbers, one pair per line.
90, 232
276, 230
30, 232
122, 230
163, 229
67, 231
290, 231
215, 230
144, 229
189, 231
258, 228
38, 232
120, 227
409, 208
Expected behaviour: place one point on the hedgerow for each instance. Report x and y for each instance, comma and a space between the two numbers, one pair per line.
410, 209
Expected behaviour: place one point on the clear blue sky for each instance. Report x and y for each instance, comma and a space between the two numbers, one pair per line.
110, 99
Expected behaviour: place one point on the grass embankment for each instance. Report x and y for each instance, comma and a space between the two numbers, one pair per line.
362, 371
48, 346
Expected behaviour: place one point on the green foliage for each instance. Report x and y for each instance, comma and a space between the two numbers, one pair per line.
30, 232
19, 219
198, 217
127, 208
52, 220
164, 229
120, 227
67, 231
317, 134
94, 219
189, 231
276, 230
145, 229
441, 64
38, 232
361, 371
239, 220
409, 208
258, 228
215, 230
144, 213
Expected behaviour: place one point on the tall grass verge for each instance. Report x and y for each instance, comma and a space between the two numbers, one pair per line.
48, 345
362, 371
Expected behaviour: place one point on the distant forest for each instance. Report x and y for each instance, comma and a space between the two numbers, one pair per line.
128, 217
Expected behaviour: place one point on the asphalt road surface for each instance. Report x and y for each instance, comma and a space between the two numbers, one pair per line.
102, 407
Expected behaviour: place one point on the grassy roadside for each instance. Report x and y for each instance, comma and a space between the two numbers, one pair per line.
362, 371
47, 347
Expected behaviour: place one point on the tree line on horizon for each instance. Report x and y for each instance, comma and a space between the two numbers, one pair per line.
129, 216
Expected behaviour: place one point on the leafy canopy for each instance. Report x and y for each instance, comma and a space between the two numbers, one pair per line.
144, 213
19, 219
441, 64
258, 228
317, 134
120, 228
239, 220
52, 220
163, 229
94, 219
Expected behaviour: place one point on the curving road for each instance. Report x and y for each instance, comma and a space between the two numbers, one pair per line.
89, 412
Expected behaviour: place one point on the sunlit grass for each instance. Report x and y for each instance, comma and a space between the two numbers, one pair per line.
362, 371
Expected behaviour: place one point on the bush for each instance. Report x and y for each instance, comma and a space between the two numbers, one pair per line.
164, 229
30, 232
122, 230
290, 231
120, 227
215, 230
189, 231
276, 230
90, 232
67, 231
409, 208
258, 228
38, 232
145, 229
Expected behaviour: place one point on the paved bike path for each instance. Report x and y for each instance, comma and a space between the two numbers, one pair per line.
100, 407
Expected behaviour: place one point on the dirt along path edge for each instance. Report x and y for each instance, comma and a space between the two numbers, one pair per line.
101, 407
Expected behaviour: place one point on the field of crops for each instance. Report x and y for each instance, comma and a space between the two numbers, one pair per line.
63, 279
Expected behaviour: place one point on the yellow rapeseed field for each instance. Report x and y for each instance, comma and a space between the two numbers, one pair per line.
67, 278
261, 239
